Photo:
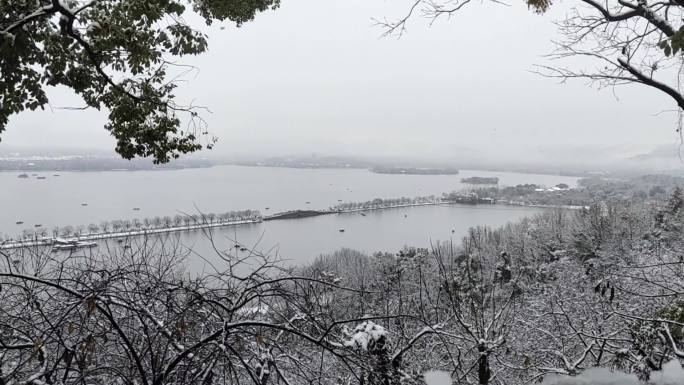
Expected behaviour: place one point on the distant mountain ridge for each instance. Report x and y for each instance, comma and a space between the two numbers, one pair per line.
19, 162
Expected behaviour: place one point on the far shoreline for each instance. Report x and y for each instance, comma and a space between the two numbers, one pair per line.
460, 171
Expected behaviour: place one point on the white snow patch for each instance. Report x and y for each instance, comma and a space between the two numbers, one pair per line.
437, 377
365, 335
672, 374
261, 309
594, 376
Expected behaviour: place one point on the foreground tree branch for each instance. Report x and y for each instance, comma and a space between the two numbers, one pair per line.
627, 42
118, 55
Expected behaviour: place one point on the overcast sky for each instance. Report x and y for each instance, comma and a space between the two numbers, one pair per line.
316, 76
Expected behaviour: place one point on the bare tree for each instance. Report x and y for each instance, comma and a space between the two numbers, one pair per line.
625, 41
137, 316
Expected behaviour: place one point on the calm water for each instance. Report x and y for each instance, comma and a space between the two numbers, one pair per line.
388, 230
112, 195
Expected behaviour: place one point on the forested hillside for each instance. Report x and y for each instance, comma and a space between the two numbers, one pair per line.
556, 294
559, 293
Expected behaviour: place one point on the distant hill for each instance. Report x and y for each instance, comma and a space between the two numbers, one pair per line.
666, 158
66, 161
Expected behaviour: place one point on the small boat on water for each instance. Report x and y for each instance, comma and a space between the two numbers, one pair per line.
20, 222
267, 208
84, 204
308, 203
38, 225
363, 214
56, 175
66, 245
136, 208
341, 230
41, 177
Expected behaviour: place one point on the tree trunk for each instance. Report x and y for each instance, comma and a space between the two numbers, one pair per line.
483, 372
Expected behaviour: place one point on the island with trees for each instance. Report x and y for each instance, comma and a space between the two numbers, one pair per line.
414, 170
480, 180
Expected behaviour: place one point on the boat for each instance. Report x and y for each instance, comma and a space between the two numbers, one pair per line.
56, 175
71, 244
20, 222
267, 208
64, 247
363, 214
308, 203
84, 204
22, 176
38, 225
136, 208
41, 177
341, 230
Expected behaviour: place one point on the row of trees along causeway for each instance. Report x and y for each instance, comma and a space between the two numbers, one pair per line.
380, 203
649, 188
589, 190
121, 226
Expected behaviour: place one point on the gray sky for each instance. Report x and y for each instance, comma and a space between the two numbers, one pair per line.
316, 76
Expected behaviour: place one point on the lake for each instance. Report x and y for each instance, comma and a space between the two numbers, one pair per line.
301, 240
113, 195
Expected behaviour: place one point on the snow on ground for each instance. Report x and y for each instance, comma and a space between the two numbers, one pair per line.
672, 374
437, 377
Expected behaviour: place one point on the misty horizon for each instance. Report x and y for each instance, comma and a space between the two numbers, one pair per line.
569, 159
345, 90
